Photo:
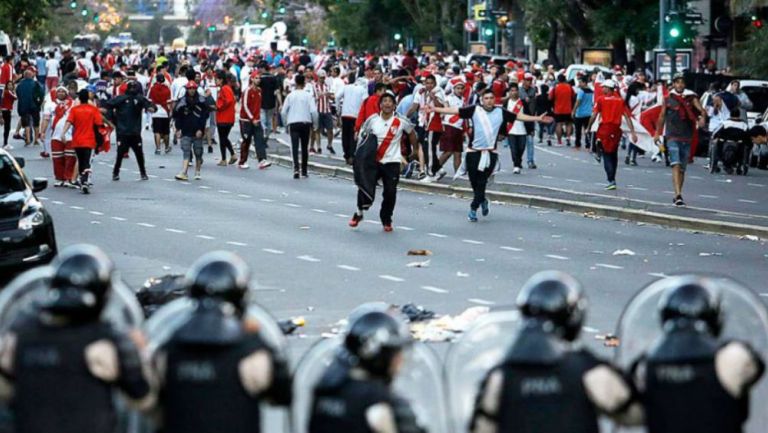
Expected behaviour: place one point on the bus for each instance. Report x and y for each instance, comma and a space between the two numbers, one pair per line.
86, 42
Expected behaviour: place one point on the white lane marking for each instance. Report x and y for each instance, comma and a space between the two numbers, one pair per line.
391, 278
573, 180
434, 289
473, 242
272, 251
244, 196
118, 218
408, 229
145, 225
371, 222
503, 247
556, 257
224, 191
237, 244
607, 266
481, 301
764, 295
543, 176
657, 274
347, 268
208, 238
43, 198
590, 329
707, 196
319, 211
747, 201
204, 187
308, 258
175, 231
266, 200
57, 202
437, 235
292, 205
637, 188
93, 212
340, 215
759, 185
152, 176
170, 180
76, 207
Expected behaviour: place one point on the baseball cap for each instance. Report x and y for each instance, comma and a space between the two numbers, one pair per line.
609, 83
191, 85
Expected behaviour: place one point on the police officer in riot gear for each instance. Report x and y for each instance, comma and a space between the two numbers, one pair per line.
218, 355
545, 384
63, 362
691, 381
354, 395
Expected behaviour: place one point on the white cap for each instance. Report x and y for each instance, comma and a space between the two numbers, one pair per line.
322, 73
609, 83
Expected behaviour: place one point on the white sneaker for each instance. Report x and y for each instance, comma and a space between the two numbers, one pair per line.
427, 179
243, 166
8, 147
264, 164
516, 170
440, 174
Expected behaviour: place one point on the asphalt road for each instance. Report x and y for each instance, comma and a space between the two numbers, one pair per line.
307, 262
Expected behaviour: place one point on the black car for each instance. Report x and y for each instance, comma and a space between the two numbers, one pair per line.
27, 238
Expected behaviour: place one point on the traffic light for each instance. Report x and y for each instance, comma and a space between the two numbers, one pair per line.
756, 22
84, 12
398, 36
281, 10
488, 32
73, 4
226, 19
198, 23
265, 14
95, 18
305, 41
211, 27
679, 34
331, 43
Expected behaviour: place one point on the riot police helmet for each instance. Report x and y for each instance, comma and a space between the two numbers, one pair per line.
691, 300
556, 298
220, 276
81, 282
374, 340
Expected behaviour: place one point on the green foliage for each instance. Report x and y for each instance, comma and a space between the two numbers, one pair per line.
637, 20
751, 56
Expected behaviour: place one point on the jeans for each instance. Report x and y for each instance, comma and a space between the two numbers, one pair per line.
580, 123
517, 144
390, 175
266, 121
529, 149
125, 142
224, 143
610, 163
300, 137
479, 179
249, 132
549, 128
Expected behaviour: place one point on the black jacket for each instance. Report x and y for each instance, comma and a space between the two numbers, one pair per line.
191, 114
126, 110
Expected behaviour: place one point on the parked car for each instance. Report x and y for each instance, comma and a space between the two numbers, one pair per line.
27, 237
570, 72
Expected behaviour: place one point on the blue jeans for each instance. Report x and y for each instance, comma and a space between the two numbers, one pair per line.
529, 149
679, 153
266, 121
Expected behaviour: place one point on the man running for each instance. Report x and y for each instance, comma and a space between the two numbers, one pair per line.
481, 155
562, 96
388, 128
83, 119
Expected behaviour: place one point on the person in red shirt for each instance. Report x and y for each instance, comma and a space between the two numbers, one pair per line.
370, 106
562, 97
250, 124
225, 116
500, 86
160, 95
83, 119
6, 107
611, 109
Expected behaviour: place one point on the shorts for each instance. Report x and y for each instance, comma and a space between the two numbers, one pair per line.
161, 125
30, 119
563, 118
324, 122
452, 140
679, 152
192, 144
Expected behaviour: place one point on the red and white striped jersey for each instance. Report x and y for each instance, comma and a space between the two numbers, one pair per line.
321, 92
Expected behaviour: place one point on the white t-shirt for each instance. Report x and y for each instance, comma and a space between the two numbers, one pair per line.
382, 128
518, 128
178, 88
52, 66
453, 119
425, 99
49, 111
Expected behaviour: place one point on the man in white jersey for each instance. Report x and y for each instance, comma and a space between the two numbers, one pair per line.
388, 128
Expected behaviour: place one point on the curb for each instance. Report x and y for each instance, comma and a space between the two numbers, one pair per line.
529, 200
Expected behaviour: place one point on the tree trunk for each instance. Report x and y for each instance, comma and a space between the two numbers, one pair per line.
554, 29
620, 51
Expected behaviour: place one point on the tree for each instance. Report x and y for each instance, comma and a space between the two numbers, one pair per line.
751, 56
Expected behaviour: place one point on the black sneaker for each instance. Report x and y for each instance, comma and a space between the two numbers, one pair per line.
115, 177
144, 177
210, 149
679, 201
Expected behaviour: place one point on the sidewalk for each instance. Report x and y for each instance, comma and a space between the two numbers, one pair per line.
568, 180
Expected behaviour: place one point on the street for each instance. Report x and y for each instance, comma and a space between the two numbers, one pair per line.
307, 262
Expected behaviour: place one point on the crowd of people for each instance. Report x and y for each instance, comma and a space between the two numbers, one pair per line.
206, 369
197, 98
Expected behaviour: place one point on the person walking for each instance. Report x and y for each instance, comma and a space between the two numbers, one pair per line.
52, 71
270, 99
83, 119
190, 117
562, 96
517, 131
610, 107
251, 127
681, 110
299, 112
6, 109
582, 111
225, 117
30, 100
128, 109
350, 99
324, 97
63, 155
160, 95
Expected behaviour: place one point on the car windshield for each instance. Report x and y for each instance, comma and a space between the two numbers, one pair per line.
10, 178
758, 96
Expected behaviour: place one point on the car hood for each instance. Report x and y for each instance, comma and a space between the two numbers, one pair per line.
12, 203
